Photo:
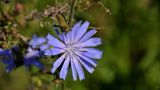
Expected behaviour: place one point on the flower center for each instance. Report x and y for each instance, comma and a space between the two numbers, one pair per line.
70, 49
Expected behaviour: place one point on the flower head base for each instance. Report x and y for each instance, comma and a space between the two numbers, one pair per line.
76, 47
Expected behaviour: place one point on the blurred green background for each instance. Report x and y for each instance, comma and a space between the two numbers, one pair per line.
131, 46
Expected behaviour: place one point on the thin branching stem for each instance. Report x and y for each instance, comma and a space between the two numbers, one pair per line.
72, 10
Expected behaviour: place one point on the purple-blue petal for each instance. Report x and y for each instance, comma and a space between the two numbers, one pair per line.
33, 40
1, 49
64, 69
87, 65
91, 61
88, 35
31, 54
69, 37
44, 47
6, 52
54, 42
90, 43
81, 31
92, 53
74, 72
65, 40
74, 30
79, 68
57, 63
54, 51
57, 32
36, 41
29, 49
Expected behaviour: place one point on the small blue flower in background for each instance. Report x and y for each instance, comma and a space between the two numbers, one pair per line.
34, 51
7, 58
31, 59
76, 47
11, 58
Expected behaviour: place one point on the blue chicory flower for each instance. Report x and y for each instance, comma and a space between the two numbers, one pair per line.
34, 51
30, 58
76, 47
7, 58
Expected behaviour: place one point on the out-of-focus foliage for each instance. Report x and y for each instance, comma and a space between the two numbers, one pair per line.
131, 45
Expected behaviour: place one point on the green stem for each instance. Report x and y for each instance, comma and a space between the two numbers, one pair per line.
63, 86
71, 16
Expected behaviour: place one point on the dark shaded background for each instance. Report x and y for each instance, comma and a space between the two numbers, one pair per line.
131, 45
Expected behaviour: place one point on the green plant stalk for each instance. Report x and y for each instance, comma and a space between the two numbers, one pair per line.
71, 16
